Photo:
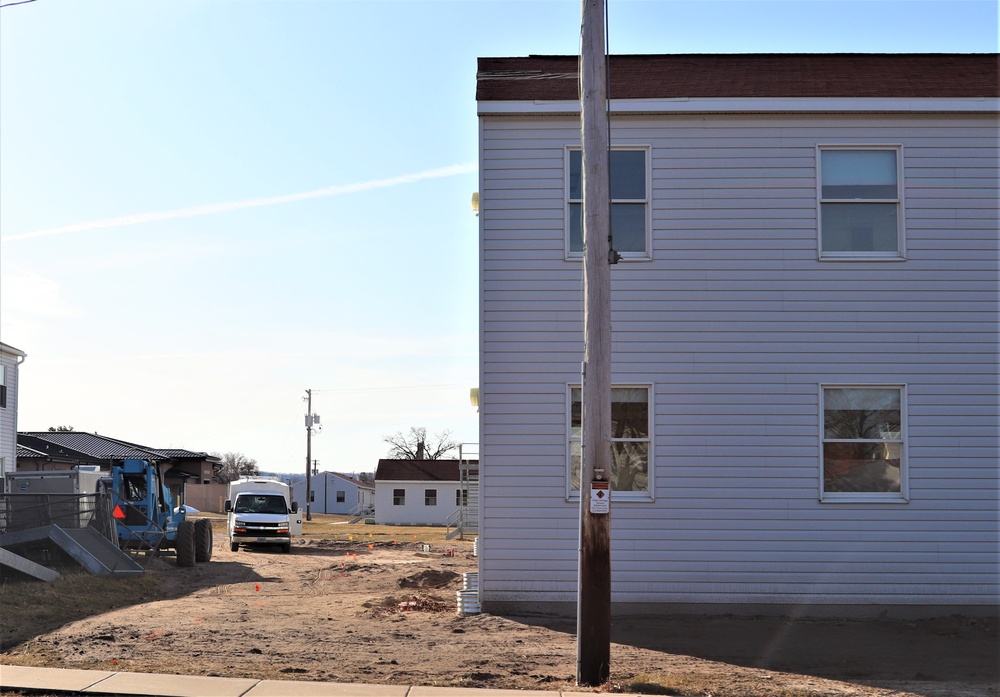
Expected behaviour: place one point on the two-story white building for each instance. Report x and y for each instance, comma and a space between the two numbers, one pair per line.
804, 332
10, 359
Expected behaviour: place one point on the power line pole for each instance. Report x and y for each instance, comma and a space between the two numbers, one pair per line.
309, 430
594, 592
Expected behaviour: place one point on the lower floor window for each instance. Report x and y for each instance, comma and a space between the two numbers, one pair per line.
430, 497
863, 444
341, 496
630, 440
399, 497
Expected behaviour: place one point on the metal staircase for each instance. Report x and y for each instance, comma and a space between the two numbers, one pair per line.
466, 519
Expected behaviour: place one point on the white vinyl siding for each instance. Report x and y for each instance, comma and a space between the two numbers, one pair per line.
8, 415
735, 322
416, 507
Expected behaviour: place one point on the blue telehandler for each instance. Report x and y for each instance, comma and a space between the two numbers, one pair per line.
146, 518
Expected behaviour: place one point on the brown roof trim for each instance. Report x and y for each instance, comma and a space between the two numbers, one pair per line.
672, 76
417, 470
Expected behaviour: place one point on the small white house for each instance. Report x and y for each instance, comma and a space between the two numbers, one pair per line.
417, 492
10, 359
332, 493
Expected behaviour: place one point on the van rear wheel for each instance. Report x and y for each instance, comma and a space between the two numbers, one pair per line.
234, 546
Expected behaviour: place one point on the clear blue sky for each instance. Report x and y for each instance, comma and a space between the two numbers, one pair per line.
208, 207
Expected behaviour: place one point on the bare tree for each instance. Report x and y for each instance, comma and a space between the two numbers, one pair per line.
416, 446
234, 466
366, 478
60, 429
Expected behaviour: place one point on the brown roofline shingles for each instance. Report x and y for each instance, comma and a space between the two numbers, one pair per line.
759, 75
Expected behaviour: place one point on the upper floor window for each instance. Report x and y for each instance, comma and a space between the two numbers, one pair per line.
630, 442
863, 443
860, 203
629, 180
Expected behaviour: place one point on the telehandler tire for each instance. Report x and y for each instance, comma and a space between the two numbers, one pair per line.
202, 540
185, 544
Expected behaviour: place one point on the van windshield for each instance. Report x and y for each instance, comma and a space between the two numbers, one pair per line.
260, 503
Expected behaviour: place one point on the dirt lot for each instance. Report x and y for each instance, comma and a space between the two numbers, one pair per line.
341, 610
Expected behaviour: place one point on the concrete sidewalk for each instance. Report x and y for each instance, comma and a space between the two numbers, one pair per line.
106, 682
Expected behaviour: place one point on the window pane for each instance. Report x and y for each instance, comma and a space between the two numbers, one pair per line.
862, 413
628, 174
859, 174
855, 467
628, 227
629, 413
576, 174
859, 227
575, 464
576, 409
630, 466
576, 227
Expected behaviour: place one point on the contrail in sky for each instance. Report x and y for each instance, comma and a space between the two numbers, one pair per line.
210, 208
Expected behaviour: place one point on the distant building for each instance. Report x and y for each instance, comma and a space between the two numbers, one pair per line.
333, 492
417, 492
46, 451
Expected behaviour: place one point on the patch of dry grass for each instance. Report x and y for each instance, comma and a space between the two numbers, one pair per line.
30, 608
335, 527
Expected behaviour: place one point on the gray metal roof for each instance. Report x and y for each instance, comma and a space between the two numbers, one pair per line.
95, 446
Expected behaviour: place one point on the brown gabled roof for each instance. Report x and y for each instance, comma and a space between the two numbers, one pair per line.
417, 471
748, 75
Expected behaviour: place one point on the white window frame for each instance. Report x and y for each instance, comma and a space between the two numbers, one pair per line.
616, 496
647, 254
901, 496
900, 253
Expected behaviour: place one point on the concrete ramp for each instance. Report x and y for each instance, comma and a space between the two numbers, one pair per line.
105, 551
86, 546
26, 566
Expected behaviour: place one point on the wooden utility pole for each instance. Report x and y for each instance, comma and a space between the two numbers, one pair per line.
309, 430
593, 622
